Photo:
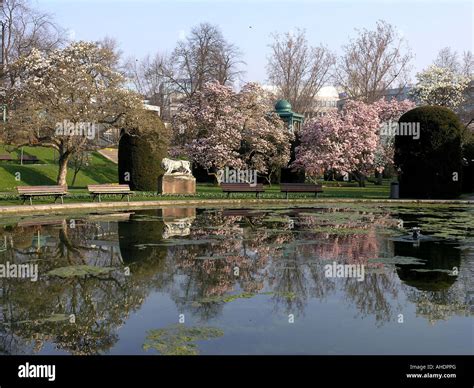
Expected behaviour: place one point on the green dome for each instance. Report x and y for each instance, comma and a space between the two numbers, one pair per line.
283, 106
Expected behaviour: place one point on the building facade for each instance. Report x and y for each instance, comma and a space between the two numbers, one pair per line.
326, 100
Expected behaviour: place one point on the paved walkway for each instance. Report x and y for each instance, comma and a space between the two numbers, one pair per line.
110, 153
91, 206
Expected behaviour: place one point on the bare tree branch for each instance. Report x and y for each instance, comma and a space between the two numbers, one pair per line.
373, 63
297, 70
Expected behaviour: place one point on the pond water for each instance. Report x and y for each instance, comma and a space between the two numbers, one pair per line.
306, 280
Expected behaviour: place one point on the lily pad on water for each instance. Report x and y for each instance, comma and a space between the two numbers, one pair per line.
214, 257
295, 243
336, 217
79, 271
174, 242
55, 318
287, 295
445, 223
245, 295
340, 231
276, 219
179, 339
221, 237
453, 234
448, 271
398, 260
278, 231
223, 298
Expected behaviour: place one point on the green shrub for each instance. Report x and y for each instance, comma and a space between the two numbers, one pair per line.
468, 163
141, 151
428, 166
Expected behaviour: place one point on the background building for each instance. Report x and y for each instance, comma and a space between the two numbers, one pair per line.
325, 101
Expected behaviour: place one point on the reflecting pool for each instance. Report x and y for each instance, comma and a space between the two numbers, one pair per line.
331, 279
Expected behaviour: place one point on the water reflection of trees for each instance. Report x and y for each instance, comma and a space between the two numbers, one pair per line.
437, 293
100, 305
283, 254
287, 260
210, 268
373, 296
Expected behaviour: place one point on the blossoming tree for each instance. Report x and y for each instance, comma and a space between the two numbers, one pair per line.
441, 86
266, 141
389, 111
218, 128
207, 128
348, 141
78, 85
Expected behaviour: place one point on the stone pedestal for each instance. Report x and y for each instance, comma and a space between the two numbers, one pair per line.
172, 213
178, 221
176, 184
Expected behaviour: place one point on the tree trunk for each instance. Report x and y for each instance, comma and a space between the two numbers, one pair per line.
62, 174
378, 178
360, 179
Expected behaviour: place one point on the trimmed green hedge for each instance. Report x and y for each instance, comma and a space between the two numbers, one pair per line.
428, 166
141, 151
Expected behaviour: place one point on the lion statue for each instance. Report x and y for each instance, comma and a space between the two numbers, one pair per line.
170, 166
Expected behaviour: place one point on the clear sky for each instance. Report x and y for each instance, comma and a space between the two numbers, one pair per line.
149, 26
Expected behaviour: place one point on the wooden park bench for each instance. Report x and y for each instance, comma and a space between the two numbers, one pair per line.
97, 190
300, 188
28, 192
242, 188
5, 158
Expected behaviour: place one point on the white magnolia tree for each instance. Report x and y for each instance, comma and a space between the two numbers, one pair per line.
59, 97
441, 86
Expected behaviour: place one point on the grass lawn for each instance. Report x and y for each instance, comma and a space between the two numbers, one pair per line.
331, 190
101, 170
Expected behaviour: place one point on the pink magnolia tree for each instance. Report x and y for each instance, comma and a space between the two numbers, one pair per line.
349, 141
208, 128
265, 139
219, 128
389, 112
